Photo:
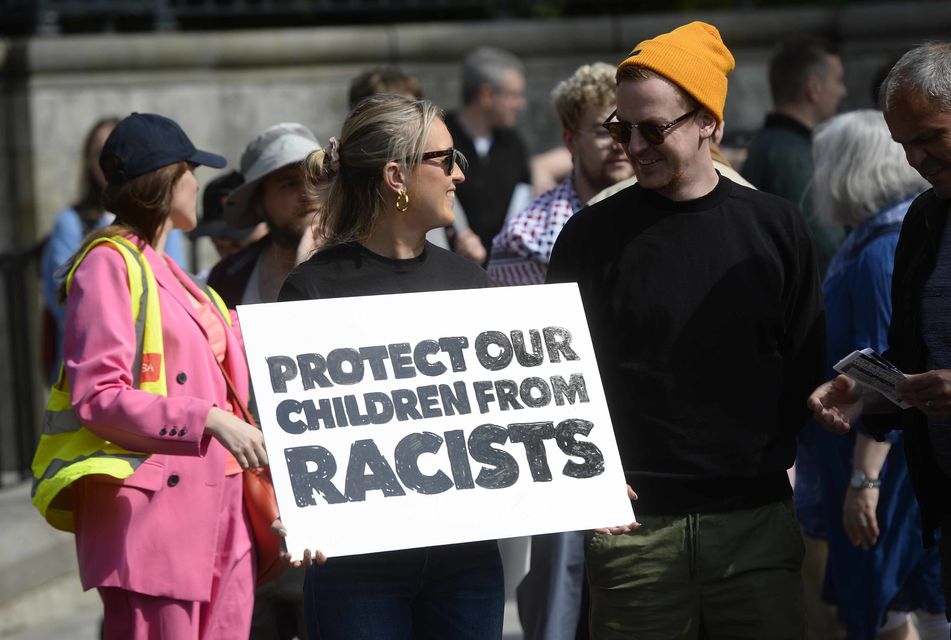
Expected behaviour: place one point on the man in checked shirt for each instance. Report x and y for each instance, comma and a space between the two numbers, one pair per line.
521, 250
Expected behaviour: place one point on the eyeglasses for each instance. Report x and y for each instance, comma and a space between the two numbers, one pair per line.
451, 157
653, 133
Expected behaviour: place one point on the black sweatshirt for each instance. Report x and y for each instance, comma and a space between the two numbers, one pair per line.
707, 321
915, 259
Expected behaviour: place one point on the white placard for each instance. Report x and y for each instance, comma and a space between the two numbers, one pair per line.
470, 415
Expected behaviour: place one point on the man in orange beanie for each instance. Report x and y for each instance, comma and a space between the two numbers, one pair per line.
704, 305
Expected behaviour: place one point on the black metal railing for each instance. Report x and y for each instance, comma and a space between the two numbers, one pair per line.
59, 16
17, 268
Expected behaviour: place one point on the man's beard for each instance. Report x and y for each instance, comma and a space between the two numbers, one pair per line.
288, 236
600, 179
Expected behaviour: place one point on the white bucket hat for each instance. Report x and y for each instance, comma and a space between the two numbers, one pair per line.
276, 147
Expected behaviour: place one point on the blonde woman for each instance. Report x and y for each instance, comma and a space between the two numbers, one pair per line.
391, 178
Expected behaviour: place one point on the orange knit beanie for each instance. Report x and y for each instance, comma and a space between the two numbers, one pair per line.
694, 58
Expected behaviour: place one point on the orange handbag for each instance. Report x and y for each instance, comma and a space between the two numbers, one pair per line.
261, 505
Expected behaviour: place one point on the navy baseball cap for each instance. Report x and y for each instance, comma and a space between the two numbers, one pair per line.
144, 142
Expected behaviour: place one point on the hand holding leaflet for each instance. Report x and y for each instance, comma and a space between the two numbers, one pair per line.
872, 370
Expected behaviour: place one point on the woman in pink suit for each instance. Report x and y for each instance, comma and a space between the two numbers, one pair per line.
169, 548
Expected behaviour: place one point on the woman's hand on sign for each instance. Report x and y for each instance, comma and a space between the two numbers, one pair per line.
310, 557
313, 557
624, 528
285, 561
243, 440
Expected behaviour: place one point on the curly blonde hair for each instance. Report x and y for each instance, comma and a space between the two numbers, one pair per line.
591, 85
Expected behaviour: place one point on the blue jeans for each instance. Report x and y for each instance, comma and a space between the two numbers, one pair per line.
454, 591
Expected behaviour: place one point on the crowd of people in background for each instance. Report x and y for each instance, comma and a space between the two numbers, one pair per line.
718, 299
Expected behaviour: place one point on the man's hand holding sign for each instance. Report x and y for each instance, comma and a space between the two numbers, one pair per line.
481, 418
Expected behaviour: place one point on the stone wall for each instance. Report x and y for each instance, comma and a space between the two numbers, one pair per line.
224, 87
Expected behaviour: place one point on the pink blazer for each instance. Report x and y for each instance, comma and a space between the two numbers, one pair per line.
156, 531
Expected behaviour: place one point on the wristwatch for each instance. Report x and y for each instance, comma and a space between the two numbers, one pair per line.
861, 481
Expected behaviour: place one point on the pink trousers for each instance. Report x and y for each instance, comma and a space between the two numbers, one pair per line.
129, 615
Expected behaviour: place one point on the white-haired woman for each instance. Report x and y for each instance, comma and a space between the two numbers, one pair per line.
877, 570
392, 178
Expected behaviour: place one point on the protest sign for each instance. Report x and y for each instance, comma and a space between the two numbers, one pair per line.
421, 419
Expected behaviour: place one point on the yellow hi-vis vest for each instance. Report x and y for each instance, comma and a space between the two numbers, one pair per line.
67, 450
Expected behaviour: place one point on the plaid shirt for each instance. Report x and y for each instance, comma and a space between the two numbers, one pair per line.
521, 251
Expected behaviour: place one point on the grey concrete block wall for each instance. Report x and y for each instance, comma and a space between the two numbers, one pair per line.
224, 87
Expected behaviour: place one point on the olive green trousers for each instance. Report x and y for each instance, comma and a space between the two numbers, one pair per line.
733, 575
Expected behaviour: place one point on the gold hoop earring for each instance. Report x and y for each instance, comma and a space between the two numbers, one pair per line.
402, 201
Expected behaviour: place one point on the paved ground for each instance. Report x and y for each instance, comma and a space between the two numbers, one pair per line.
55, 607
79, 623
82, 623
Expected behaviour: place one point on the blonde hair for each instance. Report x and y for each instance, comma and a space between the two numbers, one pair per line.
858, 169
313, 167
591, 85
381, 129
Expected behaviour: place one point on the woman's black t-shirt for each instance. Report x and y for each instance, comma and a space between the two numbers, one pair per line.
348, 270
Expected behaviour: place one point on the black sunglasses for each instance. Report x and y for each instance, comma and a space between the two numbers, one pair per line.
451, 157
653, 133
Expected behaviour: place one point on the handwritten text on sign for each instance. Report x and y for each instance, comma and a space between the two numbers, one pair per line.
357, 409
